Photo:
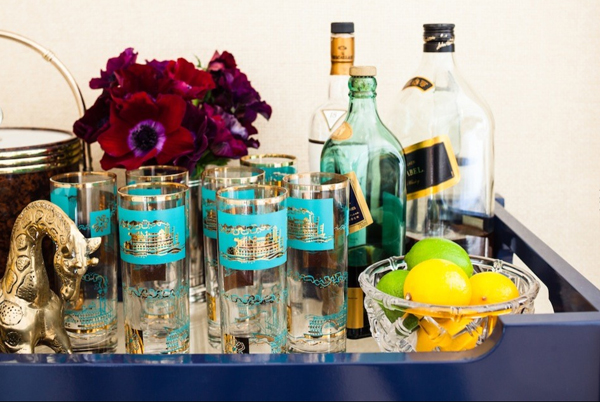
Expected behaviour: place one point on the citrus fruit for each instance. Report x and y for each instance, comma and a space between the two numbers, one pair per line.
437, 247
492, 287
392, 283
448, 335
437, 281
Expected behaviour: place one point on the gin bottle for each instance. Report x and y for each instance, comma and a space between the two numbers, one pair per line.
447, 132
328, 117
363, 149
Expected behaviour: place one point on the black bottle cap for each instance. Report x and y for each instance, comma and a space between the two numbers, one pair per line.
438, 37
342, 27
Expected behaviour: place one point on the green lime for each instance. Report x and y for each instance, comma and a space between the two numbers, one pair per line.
392, 283
439, 248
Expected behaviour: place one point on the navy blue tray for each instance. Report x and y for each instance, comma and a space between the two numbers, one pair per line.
528, 357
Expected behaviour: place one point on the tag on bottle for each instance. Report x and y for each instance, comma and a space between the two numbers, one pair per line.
333, 117
419, 82
430, 167
360, 216
344, 132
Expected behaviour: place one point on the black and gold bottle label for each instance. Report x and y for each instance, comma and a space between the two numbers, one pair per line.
419, 82
355, 308
344, 132
359, 214
430, 167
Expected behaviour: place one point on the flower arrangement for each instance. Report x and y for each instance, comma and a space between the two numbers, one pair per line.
172, 112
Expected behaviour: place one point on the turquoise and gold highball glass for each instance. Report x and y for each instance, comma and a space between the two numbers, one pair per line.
252, 236
89, 199
317, 267
154, 246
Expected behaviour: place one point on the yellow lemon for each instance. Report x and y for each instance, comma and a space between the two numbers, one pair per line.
447, 335
492, 287
438, 247
439, 282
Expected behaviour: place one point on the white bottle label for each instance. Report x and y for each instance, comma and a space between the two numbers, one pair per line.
333, 117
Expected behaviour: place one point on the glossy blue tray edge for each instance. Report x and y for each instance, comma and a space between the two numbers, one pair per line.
528, 357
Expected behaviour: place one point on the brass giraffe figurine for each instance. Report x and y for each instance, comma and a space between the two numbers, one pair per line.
30, 312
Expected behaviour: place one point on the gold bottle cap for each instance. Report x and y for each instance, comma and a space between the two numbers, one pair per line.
363, 71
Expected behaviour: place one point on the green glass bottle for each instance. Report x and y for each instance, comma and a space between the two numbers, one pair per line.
370, 155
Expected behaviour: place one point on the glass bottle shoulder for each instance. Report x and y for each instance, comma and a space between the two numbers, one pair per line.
419, 114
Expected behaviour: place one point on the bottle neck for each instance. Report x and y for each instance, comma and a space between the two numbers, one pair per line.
338, 87
362, 97
437, 61
342, 54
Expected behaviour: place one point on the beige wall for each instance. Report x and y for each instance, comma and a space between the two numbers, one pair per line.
535, 62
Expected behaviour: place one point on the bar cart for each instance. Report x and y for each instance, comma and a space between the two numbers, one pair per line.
528, 357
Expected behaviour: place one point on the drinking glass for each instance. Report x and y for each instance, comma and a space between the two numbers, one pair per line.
252, 236
89, 199
317, 267
180, 174
157, 173
214, 179
153, 222
276, 166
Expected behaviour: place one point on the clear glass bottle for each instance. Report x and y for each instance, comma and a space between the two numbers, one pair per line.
328, 117
447, 131
368, 153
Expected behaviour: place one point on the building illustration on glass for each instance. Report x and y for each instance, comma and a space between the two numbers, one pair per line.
210, 219
306, 229
254, 248
144, 243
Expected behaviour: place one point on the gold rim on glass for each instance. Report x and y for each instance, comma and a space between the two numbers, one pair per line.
149, 174
255, 160
336, 181
280, 195
178, 193
219, 175
63, 180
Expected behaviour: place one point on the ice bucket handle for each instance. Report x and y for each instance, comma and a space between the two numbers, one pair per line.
50, 57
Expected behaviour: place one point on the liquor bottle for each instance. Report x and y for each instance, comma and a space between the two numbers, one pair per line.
328, 117
447, 132
363, 149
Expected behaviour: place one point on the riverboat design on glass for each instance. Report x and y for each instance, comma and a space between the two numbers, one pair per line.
209, 213
247, 244
310, 224
152, 237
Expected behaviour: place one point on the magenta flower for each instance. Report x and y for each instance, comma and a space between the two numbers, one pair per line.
145, 129
95, 120
172, 112
107, 78
187, 80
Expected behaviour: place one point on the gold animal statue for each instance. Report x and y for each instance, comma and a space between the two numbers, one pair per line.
31, 313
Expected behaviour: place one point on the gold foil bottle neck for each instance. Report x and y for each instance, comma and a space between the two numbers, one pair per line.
342, 53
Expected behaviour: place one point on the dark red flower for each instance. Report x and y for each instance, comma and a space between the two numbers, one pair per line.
95, 119
107, 78
145, 129
235, 93
187, 80
196, 121
139, 78
224, 143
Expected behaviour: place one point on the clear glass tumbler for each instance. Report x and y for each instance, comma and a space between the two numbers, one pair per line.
154, 242
178, 174
89, 199
317, 267
252, 236
276, 166
157, 173
214, 179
